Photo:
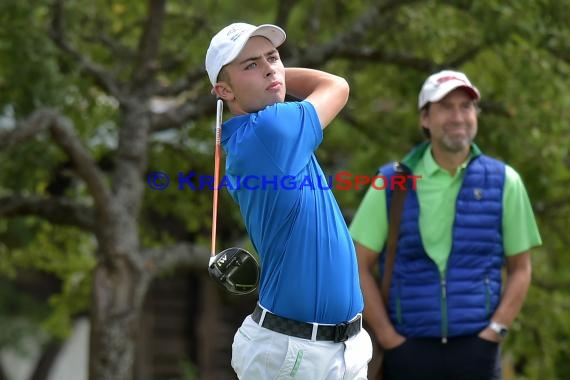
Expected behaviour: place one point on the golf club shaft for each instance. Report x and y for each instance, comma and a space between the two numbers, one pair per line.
219, 110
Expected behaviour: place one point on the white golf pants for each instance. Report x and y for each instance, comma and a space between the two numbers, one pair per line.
261, 354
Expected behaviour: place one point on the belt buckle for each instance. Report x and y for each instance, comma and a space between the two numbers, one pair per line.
341, 332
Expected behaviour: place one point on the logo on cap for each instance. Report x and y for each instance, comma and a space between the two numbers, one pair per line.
450, 77
237, 32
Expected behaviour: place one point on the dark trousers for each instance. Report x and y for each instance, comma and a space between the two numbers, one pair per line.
461, 358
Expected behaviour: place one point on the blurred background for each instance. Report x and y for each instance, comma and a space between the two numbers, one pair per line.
103, 277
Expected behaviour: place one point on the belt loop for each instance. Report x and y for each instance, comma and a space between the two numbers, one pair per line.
263, 312
314, 332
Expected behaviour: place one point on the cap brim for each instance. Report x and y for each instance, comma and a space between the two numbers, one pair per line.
446, 88
272, 32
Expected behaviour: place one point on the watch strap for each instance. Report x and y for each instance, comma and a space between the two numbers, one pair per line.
499, 328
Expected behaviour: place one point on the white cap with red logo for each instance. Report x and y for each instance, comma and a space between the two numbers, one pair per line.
440, 84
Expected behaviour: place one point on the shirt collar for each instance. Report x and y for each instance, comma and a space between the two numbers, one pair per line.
432, 167
230, 126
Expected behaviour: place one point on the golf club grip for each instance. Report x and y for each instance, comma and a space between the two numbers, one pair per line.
219, 111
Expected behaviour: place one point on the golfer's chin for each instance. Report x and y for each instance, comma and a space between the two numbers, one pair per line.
276, 97
272, 99
268, 100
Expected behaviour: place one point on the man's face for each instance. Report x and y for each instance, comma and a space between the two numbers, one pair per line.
256, 78
452, 121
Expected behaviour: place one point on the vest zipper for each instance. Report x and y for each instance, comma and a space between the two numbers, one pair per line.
443, 311
487, 294
398, 303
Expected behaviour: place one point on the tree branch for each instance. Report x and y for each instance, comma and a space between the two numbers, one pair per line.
149, 43
55, 210
551, 285
187, 82
180, 255
61, 129
350, 36
45, 363
177, 116
374, 55
495, 108
57, 33
467, 55
115, 48
284, 9
22, 133
559, 53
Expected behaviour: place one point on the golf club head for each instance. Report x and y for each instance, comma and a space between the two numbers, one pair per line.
236, 270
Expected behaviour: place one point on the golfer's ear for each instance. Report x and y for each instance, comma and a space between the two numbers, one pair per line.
223, 91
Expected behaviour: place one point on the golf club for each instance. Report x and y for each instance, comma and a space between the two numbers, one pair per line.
235, 269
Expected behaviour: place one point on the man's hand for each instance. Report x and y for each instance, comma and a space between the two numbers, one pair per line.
391, 340
490, 335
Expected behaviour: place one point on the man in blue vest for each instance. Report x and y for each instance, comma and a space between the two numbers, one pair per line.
448, 309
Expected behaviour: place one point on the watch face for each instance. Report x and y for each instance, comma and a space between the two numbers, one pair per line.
499, 329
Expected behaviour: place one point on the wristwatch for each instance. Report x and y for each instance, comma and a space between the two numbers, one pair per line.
500, 329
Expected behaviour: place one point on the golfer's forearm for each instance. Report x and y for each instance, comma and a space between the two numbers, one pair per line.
302, 82
328, 93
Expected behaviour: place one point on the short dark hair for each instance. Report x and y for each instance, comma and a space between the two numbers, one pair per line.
223, 76
425, 131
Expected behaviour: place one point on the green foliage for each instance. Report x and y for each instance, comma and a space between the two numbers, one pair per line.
64, 253
515, 52
189, 371
19, 317
29, 75
539, 343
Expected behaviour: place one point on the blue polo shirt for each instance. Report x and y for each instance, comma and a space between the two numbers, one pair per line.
309, 270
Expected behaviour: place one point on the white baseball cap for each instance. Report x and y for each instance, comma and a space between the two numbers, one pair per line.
228, 43
442, 83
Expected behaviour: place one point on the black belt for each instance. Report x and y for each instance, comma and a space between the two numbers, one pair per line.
335, 333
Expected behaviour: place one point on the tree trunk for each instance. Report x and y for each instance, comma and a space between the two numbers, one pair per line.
2, 374
45, 363
118, 294
120, 279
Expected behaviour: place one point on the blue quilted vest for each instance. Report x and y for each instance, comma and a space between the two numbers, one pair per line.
423, 303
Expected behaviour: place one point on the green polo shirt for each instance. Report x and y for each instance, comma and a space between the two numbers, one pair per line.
437, 191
